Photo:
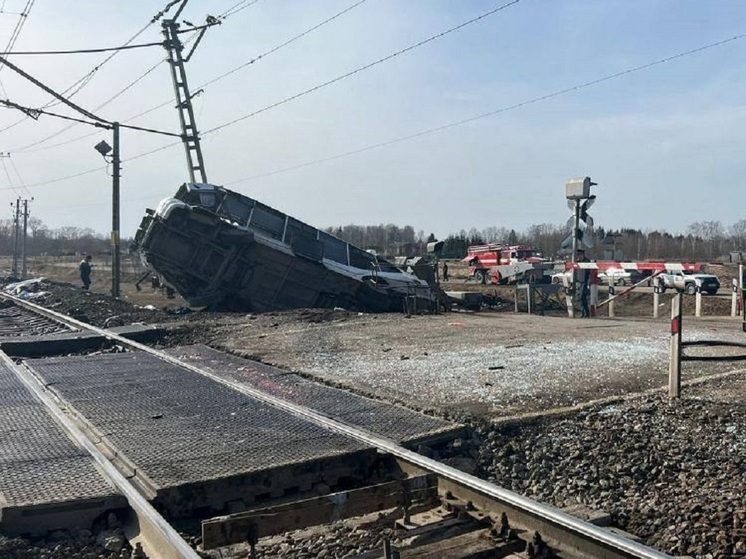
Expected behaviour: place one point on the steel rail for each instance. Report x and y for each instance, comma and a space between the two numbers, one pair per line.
566, 532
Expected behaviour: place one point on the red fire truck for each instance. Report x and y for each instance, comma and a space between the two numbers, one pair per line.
498, 263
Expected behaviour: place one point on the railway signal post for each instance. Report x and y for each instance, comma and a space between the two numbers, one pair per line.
579, 200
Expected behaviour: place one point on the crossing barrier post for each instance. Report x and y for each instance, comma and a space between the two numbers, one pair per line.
674, 365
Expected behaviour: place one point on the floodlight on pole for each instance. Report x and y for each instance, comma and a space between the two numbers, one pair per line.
103, 148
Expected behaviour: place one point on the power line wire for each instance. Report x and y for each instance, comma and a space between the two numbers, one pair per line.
25, 149
362, 68
22, 18
100, 123
531, 101
256, 58
88, 77
338, 78
7, 174
61, 179
18, 174
521, 104
83, 51
35, 113
282, 45
235, 9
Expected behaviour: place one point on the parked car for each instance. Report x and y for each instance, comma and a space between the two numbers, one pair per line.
559, 277
615, 276
690, 283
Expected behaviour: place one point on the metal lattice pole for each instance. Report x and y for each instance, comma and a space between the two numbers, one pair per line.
190, 136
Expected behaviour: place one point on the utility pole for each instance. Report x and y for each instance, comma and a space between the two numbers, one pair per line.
102, 147
16, 220
189, 133
116, 161
115, 246
23, 245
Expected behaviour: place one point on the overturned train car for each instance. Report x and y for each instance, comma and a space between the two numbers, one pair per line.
221, 249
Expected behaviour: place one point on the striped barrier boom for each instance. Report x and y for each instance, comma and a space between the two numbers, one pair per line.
641, 266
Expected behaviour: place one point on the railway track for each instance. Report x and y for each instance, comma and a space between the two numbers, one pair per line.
443, 512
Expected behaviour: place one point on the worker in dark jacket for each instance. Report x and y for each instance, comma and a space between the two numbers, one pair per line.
85, 271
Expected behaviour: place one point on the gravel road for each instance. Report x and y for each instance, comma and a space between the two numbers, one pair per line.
487, 363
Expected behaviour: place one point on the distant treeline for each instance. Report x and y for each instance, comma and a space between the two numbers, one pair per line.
701, 241
63, 241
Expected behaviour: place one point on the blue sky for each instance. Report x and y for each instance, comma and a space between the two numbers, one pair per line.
664, 143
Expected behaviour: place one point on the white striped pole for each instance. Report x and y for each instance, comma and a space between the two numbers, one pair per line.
568, 283
698, 303
740, 288
734, 298
674, 365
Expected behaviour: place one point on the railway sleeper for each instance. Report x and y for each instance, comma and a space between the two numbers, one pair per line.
427, 526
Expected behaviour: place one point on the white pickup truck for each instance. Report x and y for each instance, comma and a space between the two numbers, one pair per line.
690, 283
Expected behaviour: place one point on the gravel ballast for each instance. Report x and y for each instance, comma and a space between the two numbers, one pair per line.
672, 473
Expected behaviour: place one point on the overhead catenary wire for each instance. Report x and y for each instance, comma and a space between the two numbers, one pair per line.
83, 51
27, 148
282, 45
364, 67
505, 109
432, 130
22, 19
18, 174
62, 179
237, 8
100, 123
333, 80
257, 58
82, 82
12, 186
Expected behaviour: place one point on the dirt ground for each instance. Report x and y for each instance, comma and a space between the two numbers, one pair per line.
494, 362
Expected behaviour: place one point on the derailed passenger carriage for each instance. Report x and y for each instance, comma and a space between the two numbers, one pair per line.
218, 248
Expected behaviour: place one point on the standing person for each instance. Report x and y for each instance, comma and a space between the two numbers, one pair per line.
445, 271
85, 271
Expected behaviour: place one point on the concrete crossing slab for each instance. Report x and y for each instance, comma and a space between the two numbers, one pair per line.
403, 425
46, 482
191, 444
